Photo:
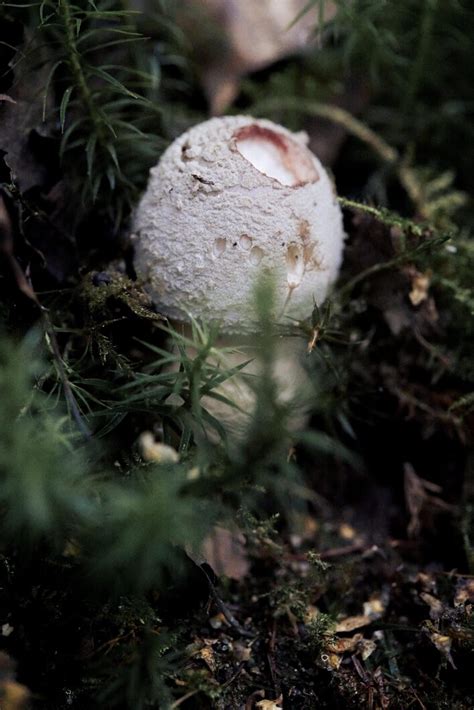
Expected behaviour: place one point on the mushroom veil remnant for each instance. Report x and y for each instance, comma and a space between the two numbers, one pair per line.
232, 198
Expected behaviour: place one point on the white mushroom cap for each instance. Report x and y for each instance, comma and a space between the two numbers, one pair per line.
230, 198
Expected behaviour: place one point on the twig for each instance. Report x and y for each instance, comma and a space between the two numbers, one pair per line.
183, 699
342, 551
224, 610
249, 703
271, 659
234, 677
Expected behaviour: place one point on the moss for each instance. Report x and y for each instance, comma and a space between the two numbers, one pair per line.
102, 291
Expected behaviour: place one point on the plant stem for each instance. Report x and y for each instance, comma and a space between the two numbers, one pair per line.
418, 69
74, 59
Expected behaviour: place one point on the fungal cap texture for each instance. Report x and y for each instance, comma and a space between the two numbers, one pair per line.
230, 199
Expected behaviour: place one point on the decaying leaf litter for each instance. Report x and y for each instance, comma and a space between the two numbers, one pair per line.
324, 567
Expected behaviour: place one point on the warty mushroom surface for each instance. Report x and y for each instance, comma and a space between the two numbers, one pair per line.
230, 198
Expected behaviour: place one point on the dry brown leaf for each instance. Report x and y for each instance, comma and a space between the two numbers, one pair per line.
443, 644
420, 284
270, 704
13, 696
354, 644
330, 661
464, 592
366, 647
206, 654
346, 531
344, 645
427, 581
352, 622
224, 551
375, 607
234, 37
242, 652
436, 607
21, 114
203, 649
418, 495
218, 621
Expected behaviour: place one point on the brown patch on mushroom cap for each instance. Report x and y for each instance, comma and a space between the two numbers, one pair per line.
311, 260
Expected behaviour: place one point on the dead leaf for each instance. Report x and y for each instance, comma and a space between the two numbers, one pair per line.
218, 621
464, 592
376, 606
418, 496
346, 531
242, 652
270, 704
354, 644
343, 645
443, 644
330, 661
234, 37
21, 113
13, 695
420, 284
206, 654
352, 622
427, 581
203, 649
366, 647
436, 607
224, 550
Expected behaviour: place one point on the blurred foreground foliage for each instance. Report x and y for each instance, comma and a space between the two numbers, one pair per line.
120, 527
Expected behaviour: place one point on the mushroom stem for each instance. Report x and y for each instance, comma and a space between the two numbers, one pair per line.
242, 354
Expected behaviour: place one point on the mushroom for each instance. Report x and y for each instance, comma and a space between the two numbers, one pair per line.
231, 198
